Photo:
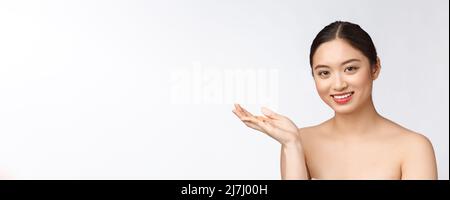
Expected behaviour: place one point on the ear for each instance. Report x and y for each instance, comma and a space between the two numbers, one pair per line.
376, 69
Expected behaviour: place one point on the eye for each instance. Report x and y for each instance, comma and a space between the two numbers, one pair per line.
323, 74
351, 69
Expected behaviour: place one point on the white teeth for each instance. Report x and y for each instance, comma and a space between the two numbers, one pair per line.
343, 96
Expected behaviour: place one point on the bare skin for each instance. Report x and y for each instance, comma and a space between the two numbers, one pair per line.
282, 129
357, 143
387, 152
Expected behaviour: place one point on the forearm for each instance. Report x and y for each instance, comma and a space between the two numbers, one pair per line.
293, 164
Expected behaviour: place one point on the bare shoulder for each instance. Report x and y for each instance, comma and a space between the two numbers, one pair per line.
408, 139
415, 144
417, 155
414, 140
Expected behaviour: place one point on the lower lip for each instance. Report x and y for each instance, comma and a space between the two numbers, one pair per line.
344, 100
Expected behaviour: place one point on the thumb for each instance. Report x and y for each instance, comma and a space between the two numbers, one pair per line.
269, 113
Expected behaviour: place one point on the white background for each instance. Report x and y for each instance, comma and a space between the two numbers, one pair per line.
86, 87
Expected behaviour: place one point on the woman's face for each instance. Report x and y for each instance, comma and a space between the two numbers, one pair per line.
343, 76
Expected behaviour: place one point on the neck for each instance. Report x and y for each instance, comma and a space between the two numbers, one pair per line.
357, 122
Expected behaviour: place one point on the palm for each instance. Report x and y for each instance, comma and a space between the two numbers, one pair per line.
277, 126
284, 125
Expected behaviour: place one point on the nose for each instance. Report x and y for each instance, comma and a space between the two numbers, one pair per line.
339, 84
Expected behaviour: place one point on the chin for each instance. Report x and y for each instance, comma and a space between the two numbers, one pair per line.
343, 109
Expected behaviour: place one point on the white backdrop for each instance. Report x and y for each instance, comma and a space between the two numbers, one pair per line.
144, 89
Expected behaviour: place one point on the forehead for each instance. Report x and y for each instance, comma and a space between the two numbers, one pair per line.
334, 52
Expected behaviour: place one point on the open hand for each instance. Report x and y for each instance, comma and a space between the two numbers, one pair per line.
275, 125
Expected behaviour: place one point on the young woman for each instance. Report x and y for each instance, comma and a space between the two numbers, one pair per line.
357, 143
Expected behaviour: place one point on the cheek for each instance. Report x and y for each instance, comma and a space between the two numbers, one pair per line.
362, 80
357, 81
362, 83
322, 87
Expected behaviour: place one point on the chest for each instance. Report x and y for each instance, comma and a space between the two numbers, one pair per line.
334, 160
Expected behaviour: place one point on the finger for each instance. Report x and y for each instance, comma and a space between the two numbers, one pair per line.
261, 118
257, 122
249, 119
247, 123
270, 114
269, 122
236, 106
237, 113
246, 113
253, 126
241, 112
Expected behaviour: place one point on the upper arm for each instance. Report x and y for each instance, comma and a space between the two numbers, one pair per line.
301, 135
419, 161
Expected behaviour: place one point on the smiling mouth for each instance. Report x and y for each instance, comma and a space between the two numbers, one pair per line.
342, 98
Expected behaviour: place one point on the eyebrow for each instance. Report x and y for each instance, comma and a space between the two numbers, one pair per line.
343, 63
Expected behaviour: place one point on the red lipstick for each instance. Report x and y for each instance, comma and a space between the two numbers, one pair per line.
342, 98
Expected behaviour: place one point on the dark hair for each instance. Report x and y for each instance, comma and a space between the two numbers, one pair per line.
352, 33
